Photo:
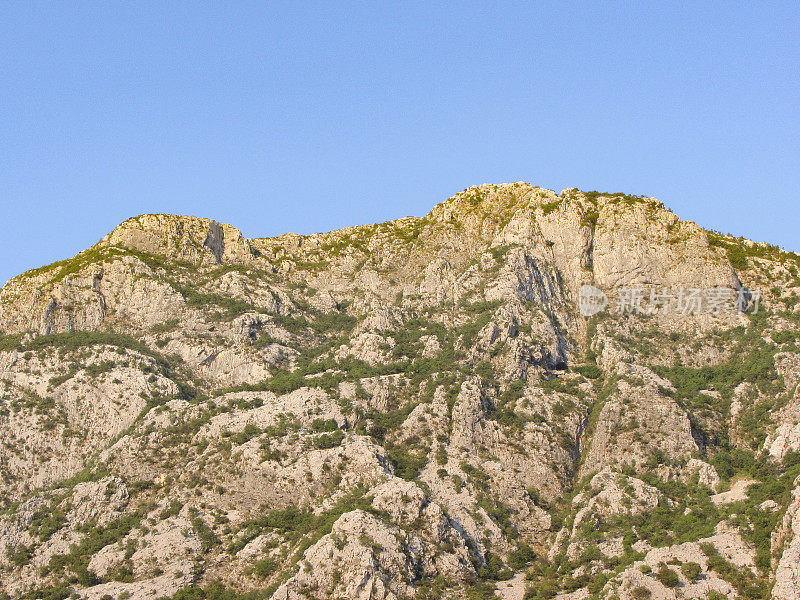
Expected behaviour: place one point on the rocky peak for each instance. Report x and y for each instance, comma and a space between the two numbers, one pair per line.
191, 239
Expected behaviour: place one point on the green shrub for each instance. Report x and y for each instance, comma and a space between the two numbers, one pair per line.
668, 577
641, 593
322, 425
542, 590
691, 570
521, 557
499, 252
589, 371
214, 591
171, 510
96, 369
495, 569
168, 325
549, 207
232, 307
329, 440
784, 337
20, 555
406, 464
265, 567
589, 218
59, 591
207, 537
46, 521
249, 432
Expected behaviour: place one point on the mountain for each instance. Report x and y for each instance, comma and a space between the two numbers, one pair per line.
522, 393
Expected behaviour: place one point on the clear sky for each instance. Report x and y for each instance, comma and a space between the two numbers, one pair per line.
307, 117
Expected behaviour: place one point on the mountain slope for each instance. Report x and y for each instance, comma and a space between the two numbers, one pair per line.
413, 409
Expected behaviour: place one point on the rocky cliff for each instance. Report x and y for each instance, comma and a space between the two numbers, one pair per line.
423, 408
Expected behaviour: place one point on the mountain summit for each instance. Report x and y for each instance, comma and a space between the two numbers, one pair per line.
520, 394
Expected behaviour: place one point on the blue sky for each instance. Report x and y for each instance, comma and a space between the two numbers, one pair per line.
307, 117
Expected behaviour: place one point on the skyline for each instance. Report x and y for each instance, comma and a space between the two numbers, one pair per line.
307, 117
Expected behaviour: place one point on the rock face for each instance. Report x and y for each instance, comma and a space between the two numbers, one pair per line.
787, 571
413, 409
199, 241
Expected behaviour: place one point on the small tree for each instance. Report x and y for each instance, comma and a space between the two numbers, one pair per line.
691, 570
668, 577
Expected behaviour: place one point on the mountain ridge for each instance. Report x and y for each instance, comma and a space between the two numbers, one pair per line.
410, 409
443, 207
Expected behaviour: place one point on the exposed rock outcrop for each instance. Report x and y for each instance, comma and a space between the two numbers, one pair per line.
412, 409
